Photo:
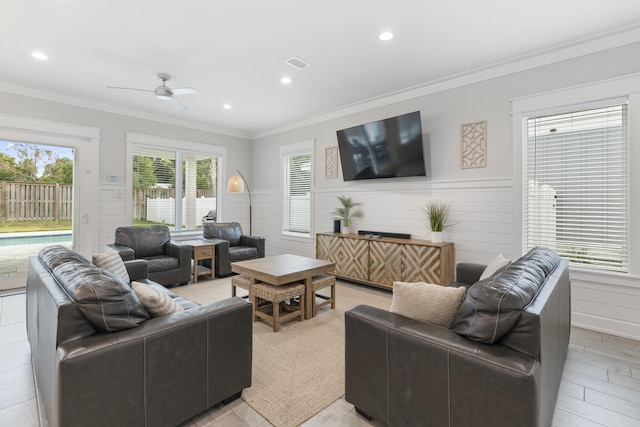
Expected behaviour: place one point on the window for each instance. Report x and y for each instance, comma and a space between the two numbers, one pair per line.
577, 186
296, 200
156, 174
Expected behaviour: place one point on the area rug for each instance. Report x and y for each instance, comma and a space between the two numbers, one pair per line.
298, 371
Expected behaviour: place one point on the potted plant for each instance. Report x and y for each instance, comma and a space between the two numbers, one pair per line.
437, 219
347, 213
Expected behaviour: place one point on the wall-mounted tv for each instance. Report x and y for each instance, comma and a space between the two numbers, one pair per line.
388, 148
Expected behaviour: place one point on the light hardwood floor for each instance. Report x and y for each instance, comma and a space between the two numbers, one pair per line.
600, 384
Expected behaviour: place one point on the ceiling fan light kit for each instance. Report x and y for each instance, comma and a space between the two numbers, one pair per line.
164, 92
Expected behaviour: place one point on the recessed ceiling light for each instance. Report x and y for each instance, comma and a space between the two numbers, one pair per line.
386, 36
226, 106
39, 55
286, 80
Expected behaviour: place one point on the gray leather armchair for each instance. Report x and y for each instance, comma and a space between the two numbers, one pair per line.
231, 245
169, 263
403, 372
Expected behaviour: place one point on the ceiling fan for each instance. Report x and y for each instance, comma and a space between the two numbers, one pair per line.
165, 92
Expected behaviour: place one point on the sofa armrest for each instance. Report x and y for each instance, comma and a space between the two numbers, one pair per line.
199, 357
137, 269
254, 242
222, 261
401, 371
183, 253
468, 273
126, 253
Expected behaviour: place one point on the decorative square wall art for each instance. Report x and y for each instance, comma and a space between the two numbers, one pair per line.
474, 145
331, 162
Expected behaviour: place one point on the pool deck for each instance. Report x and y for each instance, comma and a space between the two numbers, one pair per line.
14, 259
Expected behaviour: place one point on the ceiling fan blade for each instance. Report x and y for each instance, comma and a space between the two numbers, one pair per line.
177, 104
184, 91
129, 88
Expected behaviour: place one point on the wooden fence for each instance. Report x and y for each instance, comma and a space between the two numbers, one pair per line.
37, 201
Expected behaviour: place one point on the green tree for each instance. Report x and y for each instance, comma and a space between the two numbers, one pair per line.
143, 176
32, 161
60, 171
8, 168
203, 173
165, 171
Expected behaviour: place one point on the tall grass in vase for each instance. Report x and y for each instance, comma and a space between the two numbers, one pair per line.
437, 219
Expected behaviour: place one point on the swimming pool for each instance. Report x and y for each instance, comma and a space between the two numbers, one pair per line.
16, 239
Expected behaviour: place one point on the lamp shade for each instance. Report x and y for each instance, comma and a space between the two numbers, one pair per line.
235, 184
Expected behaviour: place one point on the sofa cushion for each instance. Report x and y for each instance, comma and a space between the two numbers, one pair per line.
145, 241
104, 299
156, 302
161, 263
110, 260
242, 252
427, 302
497, 264
494, 305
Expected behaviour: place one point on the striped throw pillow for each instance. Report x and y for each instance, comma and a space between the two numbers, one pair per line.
110, 260
155, 301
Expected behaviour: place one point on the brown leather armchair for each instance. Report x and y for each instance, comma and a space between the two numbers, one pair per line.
169, 263
231, 245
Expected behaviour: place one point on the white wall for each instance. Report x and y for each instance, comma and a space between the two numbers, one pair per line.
483, 200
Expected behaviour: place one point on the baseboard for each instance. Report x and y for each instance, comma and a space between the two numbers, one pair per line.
614, 327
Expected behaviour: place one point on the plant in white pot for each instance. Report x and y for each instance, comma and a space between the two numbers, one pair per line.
347, 213
437, 219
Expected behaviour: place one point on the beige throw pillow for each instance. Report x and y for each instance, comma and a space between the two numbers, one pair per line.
496, 264
155, 301
110, 260
427, 302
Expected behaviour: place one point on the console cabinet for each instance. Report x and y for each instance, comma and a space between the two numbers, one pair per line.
381, 262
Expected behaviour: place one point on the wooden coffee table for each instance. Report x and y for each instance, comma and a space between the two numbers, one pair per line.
284, 269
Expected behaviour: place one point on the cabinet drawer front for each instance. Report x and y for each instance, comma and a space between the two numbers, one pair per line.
205, 252
421, 264
352, 258
385, 262
323, 247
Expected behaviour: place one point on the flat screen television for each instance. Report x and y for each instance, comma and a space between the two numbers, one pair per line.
388, 148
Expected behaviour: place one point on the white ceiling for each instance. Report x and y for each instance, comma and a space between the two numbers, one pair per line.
235, 51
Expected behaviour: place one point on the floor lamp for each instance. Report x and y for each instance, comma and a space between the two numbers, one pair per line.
236, 184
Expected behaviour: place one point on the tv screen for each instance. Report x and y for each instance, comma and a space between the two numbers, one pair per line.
386, 148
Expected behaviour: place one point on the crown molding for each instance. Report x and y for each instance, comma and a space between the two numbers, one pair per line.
553, 55
115, 109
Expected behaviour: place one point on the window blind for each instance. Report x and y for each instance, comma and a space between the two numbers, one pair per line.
577, 186
297, 194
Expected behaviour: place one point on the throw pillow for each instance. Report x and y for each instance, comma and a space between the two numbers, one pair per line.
110, 260
499, 262
107, 302
427, 302
155, 301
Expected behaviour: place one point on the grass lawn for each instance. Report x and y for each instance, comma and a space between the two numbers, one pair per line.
30, 226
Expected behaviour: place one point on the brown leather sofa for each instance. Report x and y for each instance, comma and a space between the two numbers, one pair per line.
231, 245
156, 372
169, 263
499, 365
